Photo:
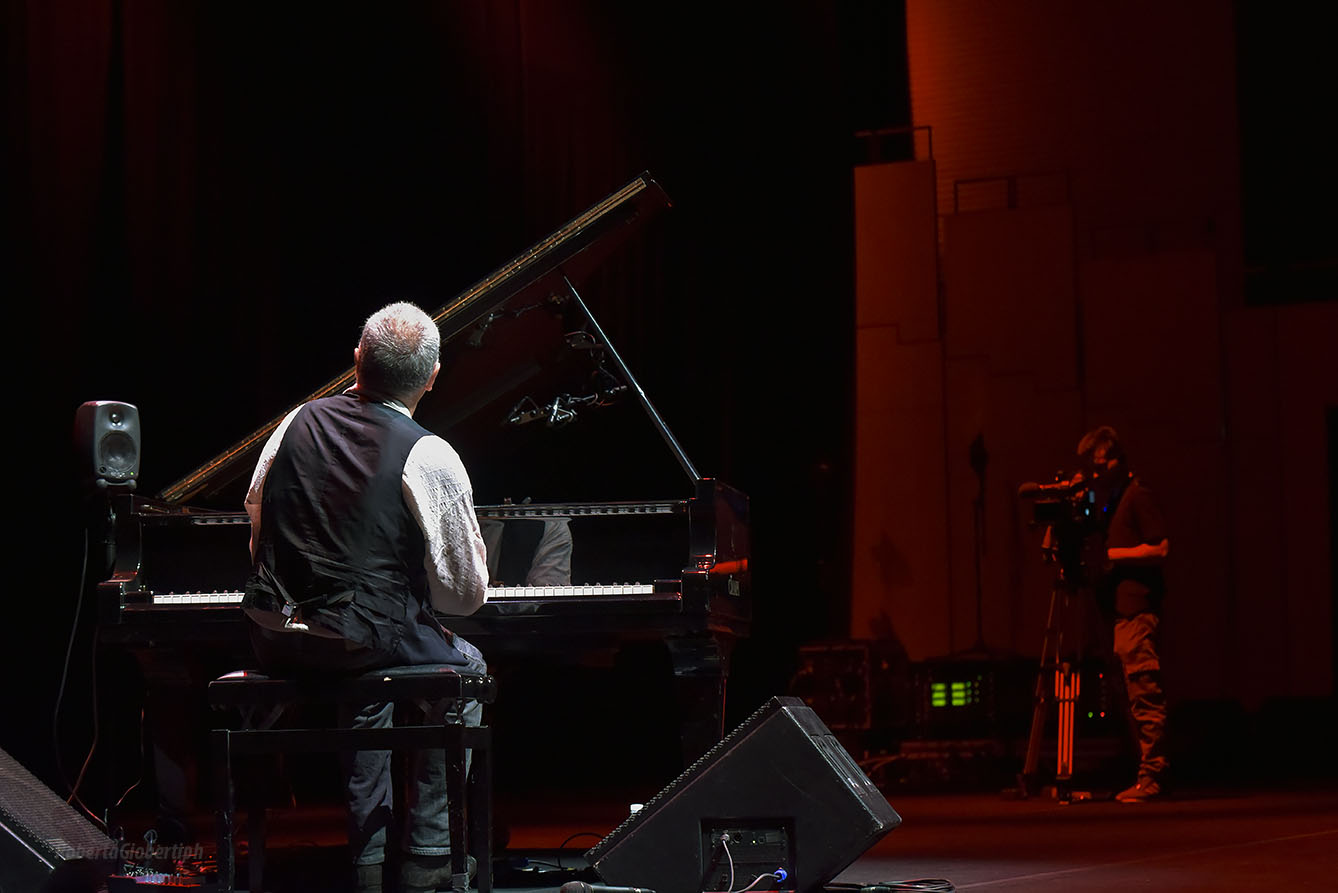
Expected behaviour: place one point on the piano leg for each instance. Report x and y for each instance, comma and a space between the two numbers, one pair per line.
701, 670
176, 718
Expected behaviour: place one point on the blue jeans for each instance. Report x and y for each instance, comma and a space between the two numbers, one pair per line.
370, 791
369, 788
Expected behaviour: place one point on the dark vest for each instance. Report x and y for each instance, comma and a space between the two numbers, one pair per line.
337, 540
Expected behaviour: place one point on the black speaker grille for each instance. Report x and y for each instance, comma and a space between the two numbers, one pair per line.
759, 715
46, 824
779, 773
118, 455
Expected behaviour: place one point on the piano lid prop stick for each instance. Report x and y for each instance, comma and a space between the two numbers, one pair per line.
660, 426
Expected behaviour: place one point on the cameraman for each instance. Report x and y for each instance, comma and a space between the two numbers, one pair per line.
1134, 585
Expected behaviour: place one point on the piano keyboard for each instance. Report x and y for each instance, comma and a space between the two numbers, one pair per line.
187, 599
534, 592
197, 598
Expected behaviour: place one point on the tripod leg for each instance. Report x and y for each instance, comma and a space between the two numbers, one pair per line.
1040, 705
1039, 710
1067, 681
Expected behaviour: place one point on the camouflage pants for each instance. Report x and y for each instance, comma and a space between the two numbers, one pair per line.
1136, 646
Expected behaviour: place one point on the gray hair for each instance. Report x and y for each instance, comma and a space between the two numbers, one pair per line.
398, 349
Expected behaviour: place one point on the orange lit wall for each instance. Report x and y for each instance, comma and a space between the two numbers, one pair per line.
1087, 190
900, 567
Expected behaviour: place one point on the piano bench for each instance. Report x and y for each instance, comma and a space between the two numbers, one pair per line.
262, 700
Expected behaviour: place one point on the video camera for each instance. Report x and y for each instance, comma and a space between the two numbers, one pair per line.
1067, 508
1065, 501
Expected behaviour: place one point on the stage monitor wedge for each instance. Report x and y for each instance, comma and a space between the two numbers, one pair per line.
781, 791
45, 844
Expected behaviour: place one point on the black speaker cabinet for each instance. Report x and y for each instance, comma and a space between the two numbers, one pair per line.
106, 441
779, 792
44, 843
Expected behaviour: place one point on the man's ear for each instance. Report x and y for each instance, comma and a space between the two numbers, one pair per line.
432, 379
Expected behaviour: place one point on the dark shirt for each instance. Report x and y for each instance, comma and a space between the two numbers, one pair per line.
1137, 521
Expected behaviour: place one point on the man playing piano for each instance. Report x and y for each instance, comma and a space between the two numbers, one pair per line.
362, 521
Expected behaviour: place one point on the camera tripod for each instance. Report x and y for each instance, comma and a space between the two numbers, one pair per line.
1062, 688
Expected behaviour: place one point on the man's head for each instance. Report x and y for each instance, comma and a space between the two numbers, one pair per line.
398, 353
1100, 448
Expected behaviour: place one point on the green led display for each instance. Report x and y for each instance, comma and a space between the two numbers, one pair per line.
954, 694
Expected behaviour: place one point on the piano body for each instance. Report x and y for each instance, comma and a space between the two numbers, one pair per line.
522, 355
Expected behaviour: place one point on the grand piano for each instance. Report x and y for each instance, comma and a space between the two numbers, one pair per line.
525, 367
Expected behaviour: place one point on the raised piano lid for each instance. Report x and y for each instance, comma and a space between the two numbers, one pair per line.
512, 345
522, 305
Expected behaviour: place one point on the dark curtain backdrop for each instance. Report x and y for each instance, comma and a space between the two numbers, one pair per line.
206, 199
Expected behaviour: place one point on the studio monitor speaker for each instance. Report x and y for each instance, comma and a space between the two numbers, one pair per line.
44, 843
106, 442
778, 794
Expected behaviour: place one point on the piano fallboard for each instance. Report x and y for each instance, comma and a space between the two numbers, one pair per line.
188, 567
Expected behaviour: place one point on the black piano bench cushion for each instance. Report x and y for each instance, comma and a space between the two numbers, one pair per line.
432, 681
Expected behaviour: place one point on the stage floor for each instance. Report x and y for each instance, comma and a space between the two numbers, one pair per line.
1218, 840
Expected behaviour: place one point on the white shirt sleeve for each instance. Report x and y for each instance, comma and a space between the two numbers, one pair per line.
438, 493
552, 557
256, 492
